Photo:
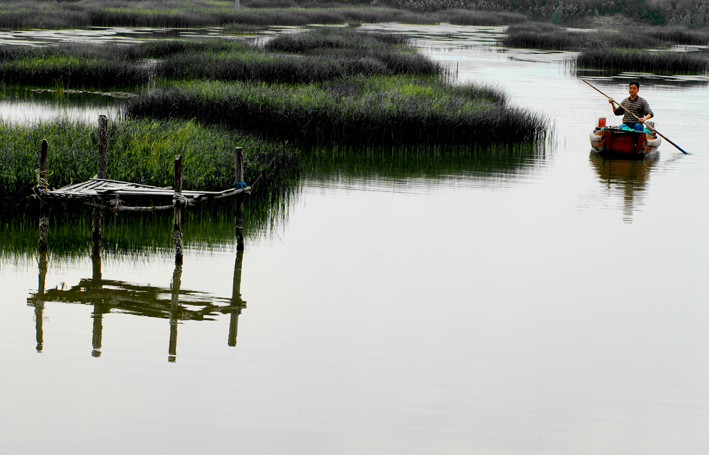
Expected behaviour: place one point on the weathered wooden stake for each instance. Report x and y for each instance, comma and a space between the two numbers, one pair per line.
42, 184
177, 203
239, 175
97, 214
102, 146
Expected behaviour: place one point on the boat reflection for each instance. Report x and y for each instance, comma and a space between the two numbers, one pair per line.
112, 296
628, 178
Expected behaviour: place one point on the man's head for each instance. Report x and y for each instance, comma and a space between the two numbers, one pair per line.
633, 88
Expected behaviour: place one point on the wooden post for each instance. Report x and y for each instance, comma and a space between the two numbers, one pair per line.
43, 185
239, 175
177, 203
174, 309
97, 214
236, 5
236, 303
102, 146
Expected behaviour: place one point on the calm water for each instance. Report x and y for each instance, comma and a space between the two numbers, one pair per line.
555, 307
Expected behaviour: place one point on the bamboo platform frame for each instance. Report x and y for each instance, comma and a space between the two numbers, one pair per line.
100, 193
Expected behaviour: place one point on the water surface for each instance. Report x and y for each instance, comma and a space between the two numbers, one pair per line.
550, 303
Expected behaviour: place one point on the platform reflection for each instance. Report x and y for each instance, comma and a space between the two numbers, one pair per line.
169, 302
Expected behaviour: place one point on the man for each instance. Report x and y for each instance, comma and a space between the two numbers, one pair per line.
635, 104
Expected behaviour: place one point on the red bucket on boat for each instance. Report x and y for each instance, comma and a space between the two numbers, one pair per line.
601, 122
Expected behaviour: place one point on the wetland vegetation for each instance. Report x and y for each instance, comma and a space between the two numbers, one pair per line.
337, 89
139, 151
322, 87
190, 13
631, 48
200, 13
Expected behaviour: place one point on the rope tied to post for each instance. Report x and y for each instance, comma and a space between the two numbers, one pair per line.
178, 200
115, 205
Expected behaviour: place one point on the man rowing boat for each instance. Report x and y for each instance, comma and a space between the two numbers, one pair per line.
635, 104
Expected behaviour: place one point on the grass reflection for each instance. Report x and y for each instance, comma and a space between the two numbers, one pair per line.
419, 162
207, 227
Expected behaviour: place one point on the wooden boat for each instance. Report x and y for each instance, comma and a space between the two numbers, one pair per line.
617, 142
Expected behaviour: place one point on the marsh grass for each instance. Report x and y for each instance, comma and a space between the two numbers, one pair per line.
546, 36
538, 35
619, 50
382, 110
264, 66
199, 13
194, 13
657, 62
334, 86
82, 66
675, 35
140, 151
433, 163
86, 66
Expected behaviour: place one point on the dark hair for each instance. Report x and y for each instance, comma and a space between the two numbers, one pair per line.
637, 84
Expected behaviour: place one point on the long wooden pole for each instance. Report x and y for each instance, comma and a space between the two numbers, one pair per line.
42, 183
177, 224
633, 114
97, 214
239, 175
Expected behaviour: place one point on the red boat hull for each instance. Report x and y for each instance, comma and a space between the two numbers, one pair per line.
619, 142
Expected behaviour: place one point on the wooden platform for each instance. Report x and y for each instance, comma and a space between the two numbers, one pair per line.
101, 193
114, 194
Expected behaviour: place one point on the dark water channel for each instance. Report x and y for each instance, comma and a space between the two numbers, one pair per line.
541, 303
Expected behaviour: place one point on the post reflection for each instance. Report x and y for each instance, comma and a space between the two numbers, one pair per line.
38, 301
627, 178
114, 296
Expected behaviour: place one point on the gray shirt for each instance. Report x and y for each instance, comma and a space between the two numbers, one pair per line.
639, 107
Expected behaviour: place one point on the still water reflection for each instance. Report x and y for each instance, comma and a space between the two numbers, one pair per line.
541, 301
105, 296
627, 177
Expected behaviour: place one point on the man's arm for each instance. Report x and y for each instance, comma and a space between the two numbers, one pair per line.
616, 110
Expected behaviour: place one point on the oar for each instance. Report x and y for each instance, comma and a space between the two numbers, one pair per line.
637, 118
